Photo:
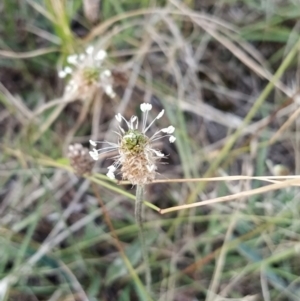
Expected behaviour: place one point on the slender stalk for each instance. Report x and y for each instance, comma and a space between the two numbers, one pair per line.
118, 244
139, 221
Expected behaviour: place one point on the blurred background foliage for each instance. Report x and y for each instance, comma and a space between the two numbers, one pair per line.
227, 74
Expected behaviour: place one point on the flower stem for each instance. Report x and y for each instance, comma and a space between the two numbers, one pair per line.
139, 221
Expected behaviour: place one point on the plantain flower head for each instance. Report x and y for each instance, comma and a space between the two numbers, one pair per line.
86, 73
136, 156
80, 159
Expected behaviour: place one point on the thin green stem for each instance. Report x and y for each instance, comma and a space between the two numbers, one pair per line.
139, 221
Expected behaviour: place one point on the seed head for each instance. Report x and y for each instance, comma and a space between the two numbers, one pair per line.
87, 74
136, 157
80, 159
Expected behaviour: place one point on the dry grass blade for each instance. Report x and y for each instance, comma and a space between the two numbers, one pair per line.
23, 111
53, 103
271, 179
285, 126
27, 55
227, 198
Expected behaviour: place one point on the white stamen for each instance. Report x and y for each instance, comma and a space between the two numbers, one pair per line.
148, 127
101, 55
119, 117
109, 91
128, 125
68, 70
137, 123
132, 120
72, 59
62, 74
94, 156
106, 73
82, 57
149, 107
150, 168
111, 175
111, 168
160, 114
93, 143
122, 130
169, 130
158, 153
172, 139
145, 107
90, 50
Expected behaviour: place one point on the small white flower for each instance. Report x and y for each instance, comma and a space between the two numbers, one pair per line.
172, 139
136, 156
169, 130
89, 73
93, 143
160, 114
101, 55
90, 50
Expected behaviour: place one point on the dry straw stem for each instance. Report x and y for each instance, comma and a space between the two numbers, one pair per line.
29, 54
272, 179
24, 113
231, 197
285, 126
53, 103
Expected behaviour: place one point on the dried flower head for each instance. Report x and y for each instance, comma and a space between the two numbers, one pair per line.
136, 156
87, 74
80, 159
